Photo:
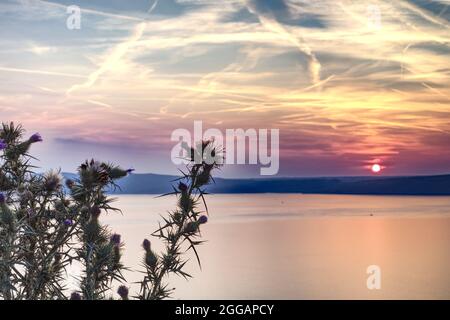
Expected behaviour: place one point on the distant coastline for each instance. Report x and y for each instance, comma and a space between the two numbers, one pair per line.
436, 185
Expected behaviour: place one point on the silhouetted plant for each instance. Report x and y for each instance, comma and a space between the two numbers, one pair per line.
45, 227
100, 251
182, 226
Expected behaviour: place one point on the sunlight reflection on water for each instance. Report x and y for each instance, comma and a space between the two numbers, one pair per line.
295, 246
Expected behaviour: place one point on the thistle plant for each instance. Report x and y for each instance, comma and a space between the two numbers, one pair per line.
100, 250
45, 227
32, 229
182, 226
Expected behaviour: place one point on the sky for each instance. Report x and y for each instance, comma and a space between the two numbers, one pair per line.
347, 83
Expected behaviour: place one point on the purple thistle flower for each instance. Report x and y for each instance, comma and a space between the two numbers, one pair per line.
182, 186
147, 245
70, 183
203, 219
2, 198
130, 171
35, 138
115, 239
68, 222
52, 181
123, 292
3, 144
75, 296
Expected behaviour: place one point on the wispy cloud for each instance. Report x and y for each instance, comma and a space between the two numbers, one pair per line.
112, 59
273, 25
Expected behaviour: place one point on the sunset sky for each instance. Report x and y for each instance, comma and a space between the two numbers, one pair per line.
344, 90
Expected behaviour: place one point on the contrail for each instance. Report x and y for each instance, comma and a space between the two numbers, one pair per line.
314, 65
433, 19
152, 7
115, 56
43, 72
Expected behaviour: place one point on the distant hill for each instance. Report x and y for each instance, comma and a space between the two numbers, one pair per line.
414, 185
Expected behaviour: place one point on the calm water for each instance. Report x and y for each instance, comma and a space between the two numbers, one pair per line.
305, 246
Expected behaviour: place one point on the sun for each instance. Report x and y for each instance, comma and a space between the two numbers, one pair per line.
376, 168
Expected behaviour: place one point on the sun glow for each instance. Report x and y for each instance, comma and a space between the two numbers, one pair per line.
376, 168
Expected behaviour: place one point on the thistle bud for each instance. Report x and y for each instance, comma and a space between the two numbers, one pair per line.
92, 231
151, 259
75, 296
70, 183
117, 173
182, 187
68, 222
146, 245
123, 292
52, 181
177, 217
115, 239
35, 138
3, 144
203, 220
